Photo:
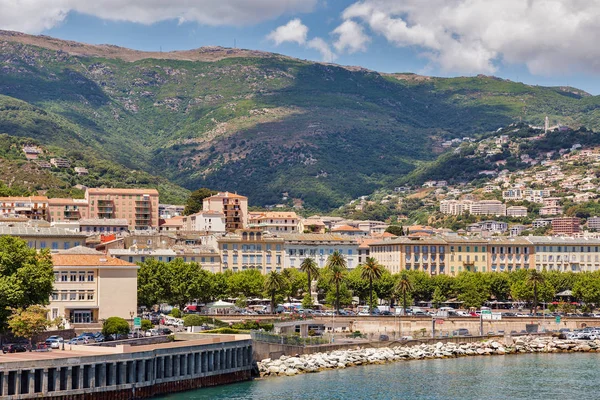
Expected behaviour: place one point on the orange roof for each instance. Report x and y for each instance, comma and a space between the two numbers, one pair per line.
416, 234
174, 221
365, 243
32, 198
151, 192
84, 260
383, 235
345, 228
67, 201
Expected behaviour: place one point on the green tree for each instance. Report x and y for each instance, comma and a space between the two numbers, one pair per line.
472, 289
384, 287
115, 326
27, 323
147, 325
274, 284
404, 287
152, 280
195, 201
311, 269
587, 288
395, 230
193, 320
26, 277
337, 266
371, 270
250, 283
307, 301
438, 298
241, 302
176, 313
186, 281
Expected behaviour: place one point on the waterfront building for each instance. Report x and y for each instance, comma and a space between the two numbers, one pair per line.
90, 286
509, 254
232, 205
467, 254
419, 254
138, 206
566, 253
251, 249
319, 247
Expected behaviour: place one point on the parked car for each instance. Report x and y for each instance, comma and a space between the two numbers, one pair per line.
461, 332
165, 331
78, 341
14, 348
54, 342
152, 332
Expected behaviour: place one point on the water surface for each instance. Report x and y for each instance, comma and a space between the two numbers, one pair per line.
531, 376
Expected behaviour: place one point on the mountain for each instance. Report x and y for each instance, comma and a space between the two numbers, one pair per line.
257, 123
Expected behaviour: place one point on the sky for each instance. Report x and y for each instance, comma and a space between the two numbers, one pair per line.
540, 42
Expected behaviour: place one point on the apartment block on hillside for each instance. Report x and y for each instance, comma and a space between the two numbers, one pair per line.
232, 205
138, 206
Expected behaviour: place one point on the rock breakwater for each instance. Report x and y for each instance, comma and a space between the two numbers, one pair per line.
316, 362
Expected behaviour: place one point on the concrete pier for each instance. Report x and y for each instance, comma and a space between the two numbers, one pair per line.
124, 372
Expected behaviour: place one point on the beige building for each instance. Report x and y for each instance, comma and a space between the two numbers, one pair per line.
61, 210
40, 238
488, 207
566, 254
516, 211
251, 249
90, 286
509, 254
276, 222
234, 206
138, 206
205, 221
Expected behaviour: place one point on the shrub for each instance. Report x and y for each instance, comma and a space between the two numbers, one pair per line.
147, 325
176, 313
115, 325
225, 331
193, 320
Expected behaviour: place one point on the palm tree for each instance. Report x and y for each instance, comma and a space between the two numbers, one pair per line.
404, 286
310, 267
535, 278
336, 264
274, 283
371, 270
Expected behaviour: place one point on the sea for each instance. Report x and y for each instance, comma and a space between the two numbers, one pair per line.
529, 376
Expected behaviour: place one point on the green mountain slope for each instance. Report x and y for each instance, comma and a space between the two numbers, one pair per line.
258, 123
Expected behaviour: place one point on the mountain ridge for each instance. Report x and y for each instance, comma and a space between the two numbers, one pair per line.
267, 126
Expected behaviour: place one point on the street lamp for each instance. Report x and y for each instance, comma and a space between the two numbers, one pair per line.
131, 314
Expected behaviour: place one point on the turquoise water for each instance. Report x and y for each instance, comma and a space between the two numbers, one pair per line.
532, 376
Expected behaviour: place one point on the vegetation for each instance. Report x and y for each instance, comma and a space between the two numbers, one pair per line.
28, 322
262, 126
371, 270
337, 266
274, 284
194, 202
115, 326
26, 277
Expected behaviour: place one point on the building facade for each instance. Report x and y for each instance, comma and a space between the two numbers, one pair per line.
61, 210
276, 222
205, 221
319, 247
565, 226
138, 206
33, 207
232, 205
251, 249
90, 286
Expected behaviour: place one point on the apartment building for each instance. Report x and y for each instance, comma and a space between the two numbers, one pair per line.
593, 223
138, 206
488, 207
319, 247
276, 222
516, 211
512, 194
565, 226
33, 207
251, 249
232, 205
205, 221
208, 258
566, 254
60, 210
90, 286
40, 238
418, 254
467, 254
455, 207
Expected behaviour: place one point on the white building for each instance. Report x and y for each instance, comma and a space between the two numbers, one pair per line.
276, 222
516, 211
205, 221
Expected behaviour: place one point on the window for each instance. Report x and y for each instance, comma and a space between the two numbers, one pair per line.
72, 295
225, 246
81, 296
90, 276
82, 277
73, 276
56, 277
63, 296
54, 296
90, 296
64, 277
42, 245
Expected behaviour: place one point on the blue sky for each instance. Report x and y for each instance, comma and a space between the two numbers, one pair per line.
507, 38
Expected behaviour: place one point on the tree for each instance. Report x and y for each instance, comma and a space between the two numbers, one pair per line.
193, 320
186, 281
395, 230
535, 279
152, 281
147, 325
26, 277
371, 270
438, 298
307, 301
311, 269
196, 199
587, 288
404, 286
250, 283
274, 284
472, 289
27, 323
115, 326
336, 263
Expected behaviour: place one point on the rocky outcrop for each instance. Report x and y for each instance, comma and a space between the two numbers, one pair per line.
289, 366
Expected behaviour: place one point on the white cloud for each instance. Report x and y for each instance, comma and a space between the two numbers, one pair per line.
476, 36
294, 31
322, 47
33, 16
351, 37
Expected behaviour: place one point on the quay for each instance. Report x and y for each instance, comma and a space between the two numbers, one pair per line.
125, 371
